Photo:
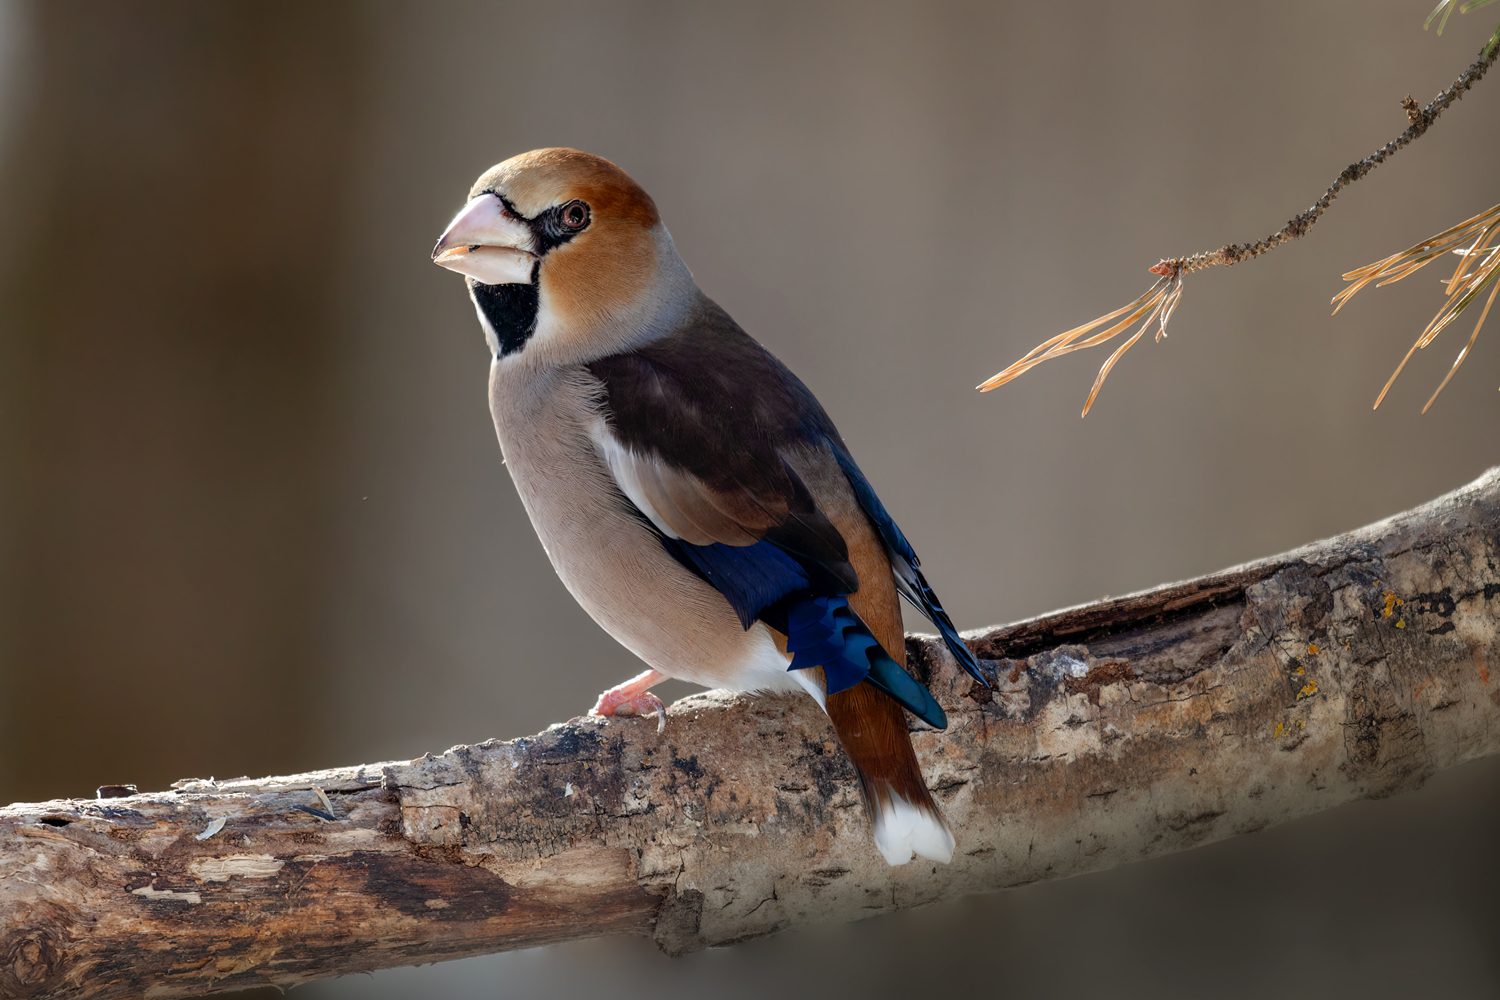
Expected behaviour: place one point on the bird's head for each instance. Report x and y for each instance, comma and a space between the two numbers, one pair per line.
564, 253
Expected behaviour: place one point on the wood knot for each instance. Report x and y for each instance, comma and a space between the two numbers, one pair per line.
31, 959
1412, 108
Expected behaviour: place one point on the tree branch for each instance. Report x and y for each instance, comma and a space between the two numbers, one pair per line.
1116, 731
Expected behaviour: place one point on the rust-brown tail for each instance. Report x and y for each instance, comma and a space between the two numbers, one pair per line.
904, 816
870, 724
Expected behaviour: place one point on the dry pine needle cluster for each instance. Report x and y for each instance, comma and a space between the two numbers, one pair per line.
1477, 241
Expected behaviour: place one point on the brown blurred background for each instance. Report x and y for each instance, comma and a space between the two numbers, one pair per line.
253, 519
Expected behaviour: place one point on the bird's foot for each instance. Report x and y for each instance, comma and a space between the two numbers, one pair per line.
640, 705
633, 698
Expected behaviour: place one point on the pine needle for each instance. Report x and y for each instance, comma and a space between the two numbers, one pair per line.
1156, 303
1445, 7
1476, 241
1159, 301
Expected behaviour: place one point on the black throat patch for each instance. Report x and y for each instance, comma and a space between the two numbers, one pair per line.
510, 310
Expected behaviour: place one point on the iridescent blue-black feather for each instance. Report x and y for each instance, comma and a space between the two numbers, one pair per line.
825, 631
763, 582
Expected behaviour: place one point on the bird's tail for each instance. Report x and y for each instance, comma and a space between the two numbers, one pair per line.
872, 728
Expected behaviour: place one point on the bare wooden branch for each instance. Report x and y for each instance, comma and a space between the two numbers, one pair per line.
1117, 731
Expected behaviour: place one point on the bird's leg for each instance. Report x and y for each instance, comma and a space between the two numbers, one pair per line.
634, 698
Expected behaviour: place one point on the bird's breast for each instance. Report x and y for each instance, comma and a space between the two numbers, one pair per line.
604, 552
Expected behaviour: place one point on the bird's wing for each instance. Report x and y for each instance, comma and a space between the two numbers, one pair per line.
714, 442
756, 540
731, 460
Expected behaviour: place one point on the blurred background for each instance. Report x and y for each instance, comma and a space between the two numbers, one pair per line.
253, 518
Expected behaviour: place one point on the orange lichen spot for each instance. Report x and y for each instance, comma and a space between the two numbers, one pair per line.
1308, 690
1312, 649
1279, 730
1391, 600
1401, 623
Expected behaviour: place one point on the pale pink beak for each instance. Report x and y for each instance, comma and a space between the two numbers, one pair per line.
488, 243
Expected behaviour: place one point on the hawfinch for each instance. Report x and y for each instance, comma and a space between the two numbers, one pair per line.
689, 490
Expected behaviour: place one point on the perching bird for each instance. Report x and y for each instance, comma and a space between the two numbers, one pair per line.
690, 491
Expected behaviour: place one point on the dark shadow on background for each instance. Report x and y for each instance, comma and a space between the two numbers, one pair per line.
169, 334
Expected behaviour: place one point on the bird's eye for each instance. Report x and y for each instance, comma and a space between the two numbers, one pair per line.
575, 215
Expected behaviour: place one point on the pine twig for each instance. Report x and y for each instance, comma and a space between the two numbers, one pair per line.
1159, 301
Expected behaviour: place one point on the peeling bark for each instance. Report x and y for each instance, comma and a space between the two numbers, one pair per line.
1351, 668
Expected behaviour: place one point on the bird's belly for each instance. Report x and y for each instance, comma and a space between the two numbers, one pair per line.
610, 561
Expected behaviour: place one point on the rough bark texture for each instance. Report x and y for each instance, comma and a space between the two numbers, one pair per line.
1118, 731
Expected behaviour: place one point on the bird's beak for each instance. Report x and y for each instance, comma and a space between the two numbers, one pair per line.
488, 243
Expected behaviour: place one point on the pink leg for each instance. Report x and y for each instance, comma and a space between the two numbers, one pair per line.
634, 698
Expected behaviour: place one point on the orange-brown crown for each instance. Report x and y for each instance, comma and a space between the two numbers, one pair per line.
542, 178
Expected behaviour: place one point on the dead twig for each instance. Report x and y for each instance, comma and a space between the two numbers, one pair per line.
1161, 298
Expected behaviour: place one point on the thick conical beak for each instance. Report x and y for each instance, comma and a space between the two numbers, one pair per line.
488, 243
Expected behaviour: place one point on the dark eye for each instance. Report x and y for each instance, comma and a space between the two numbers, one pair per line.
575, 215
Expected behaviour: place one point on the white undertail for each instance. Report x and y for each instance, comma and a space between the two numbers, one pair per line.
901, 828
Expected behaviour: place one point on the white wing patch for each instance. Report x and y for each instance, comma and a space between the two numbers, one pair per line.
621, 463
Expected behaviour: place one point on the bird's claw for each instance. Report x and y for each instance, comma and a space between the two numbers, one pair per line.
630, 706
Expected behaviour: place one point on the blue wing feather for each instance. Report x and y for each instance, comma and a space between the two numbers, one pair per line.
751, 577
761, 581
825, 631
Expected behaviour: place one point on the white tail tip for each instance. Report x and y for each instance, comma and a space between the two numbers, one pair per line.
902, 828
